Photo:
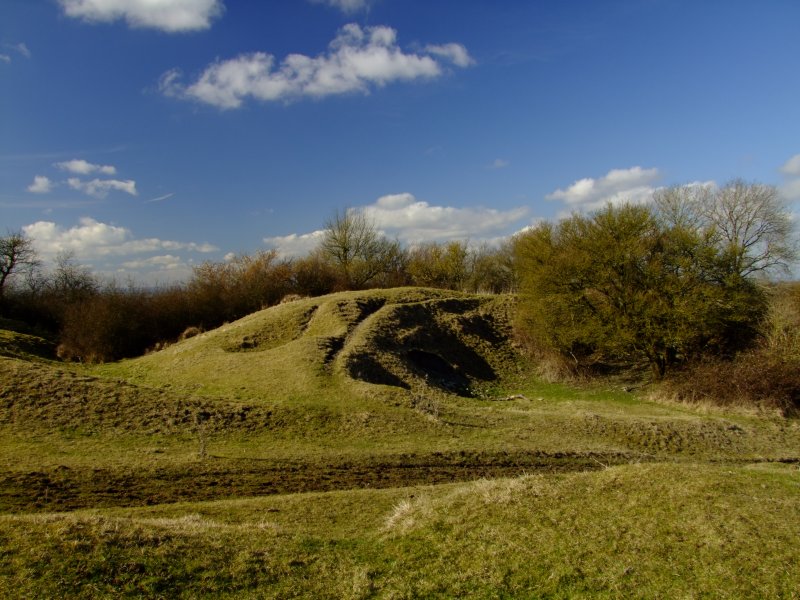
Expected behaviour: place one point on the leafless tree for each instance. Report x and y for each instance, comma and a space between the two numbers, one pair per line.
749, 222
353, 243
17, 254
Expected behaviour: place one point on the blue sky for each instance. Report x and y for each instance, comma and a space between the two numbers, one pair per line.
147, 136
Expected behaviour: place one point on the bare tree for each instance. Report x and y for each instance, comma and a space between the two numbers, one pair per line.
16, 254
748, 222
753, 225
353, 244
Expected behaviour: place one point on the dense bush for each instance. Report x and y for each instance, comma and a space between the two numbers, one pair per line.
620, 287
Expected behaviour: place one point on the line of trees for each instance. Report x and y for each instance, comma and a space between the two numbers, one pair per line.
664, 284
95, 320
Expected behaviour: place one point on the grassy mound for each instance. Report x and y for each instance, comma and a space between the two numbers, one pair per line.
407, 338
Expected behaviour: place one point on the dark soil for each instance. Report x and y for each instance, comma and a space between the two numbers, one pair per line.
63, 489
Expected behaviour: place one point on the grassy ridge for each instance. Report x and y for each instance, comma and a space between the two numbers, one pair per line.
643, 531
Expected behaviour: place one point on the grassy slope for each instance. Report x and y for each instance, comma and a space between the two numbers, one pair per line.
288, 404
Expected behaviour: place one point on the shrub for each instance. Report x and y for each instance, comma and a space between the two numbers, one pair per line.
755, 379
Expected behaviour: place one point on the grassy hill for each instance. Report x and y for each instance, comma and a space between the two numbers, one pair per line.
294, 452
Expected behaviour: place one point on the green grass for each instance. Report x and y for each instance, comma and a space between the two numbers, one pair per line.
323, 419
640, 531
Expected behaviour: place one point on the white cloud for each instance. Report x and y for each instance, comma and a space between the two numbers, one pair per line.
792, 166
82, 167
99, 188
357, 60
412, 221
455, 53
293, 245
791, 184
618, 185
40, 185
5, 58
167, 15
91, 239
165, 262
346, 6
415, 221
791, 189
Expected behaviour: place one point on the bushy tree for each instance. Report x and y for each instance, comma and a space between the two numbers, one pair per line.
439, 265
619, 287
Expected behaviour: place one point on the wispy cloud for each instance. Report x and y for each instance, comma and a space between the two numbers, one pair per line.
20, 49
633, 185
346, 6
161, 198
499, 163
172, 16
357, 60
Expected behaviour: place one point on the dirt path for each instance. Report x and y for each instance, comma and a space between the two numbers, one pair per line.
217, 478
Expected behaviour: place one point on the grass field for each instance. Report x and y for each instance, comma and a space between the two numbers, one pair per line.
388, 444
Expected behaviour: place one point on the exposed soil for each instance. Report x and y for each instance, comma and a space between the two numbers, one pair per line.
63, 489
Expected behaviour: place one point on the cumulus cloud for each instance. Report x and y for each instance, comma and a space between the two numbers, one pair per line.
357, 60
167, 15
40, 185
414, 221
633, 185
99, 188
165, 262
346, 6
294, 245
82, 167
92, 239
